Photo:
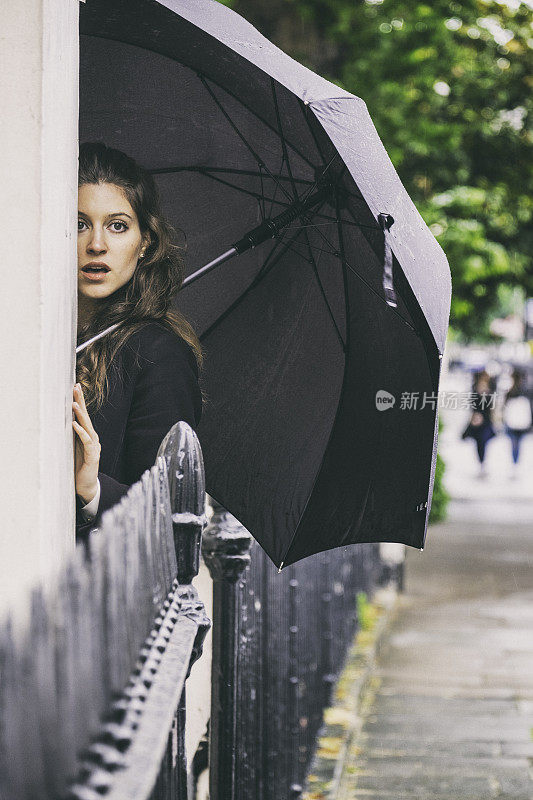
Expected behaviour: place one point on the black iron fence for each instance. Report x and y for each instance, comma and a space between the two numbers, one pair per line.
279, 643
92, 696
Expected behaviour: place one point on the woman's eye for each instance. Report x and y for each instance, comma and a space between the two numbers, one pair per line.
82, 223
118, 222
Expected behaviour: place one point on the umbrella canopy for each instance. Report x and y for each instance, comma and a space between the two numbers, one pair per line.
323, 344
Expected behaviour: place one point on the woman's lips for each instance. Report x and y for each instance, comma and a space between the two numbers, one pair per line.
95, 276
95, 270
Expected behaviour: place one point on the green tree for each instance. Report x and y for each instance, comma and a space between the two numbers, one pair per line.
448, 86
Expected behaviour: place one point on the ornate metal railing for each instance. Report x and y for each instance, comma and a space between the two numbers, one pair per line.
92, 695
279, 644
92, 692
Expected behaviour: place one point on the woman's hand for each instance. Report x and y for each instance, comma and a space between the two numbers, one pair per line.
477, 419
87, 449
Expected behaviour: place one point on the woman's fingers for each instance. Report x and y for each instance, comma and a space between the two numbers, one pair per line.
84, 416
81, 395
82, 433
91, 446
85, 421
87, 436
84, 428
88, 448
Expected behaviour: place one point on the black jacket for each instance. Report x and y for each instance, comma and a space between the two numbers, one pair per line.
153, 383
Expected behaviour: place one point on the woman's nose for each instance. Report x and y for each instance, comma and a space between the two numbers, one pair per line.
97, 243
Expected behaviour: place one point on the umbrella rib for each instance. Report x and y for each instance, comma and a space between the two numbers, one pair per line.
223, 88
315, 185
282, 137
264, 122
317, 250
350, 212
230, 170
314, 264
381, 298
260, 162
263, 271
248, 172
276, 190
262, 201
335, 222
304, 107
343, 221
341, 395
252, 173
376, 227
249, 192
260, 275
208, 173
330, 251
256, 115
333, 250
305, 111
369, 286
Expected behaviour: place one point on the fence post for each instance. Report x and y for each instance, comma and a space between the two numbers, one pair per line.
225, 549
186, 481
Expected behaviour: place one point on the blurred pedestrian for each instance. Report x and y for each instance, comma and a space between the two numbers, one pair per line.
517, 416
480, 426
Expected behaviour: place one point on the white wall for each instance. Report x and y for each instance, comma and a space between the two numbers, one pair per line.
38, 206
198, 687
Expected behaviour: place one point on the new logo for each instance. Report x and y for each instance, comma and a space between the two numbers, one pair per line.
384, 400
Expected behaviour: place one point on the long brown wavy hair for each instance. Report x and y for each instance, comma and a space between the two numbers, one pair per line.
158, 277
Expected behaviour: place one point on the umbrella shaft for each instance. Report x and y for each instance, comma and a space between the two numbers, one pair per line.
207, 267
268, 229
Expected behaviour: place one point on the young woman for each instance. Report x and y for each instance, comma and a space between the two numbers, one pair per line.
480, 426
517, 416
141, 377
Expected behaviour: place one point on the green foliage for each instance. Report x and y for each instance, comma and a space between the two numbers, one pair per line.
475, 228
441, 497
365, 612
448, 86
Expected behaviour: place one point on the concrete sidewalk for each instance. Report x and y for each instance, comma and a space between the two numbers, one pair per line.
451, 714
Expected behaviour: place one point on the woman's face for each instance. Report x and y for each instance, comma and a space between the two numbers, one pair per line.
483, 385
108, 233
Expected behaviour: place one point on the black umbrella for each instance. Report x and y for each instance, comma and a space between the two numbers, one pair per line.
339, 299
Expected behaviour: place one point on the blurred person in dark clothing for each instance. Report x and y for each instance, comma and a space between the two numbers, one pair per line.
480, 426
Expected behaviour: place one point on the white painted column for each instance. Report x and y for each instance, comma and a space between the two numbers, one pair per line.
38, 212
